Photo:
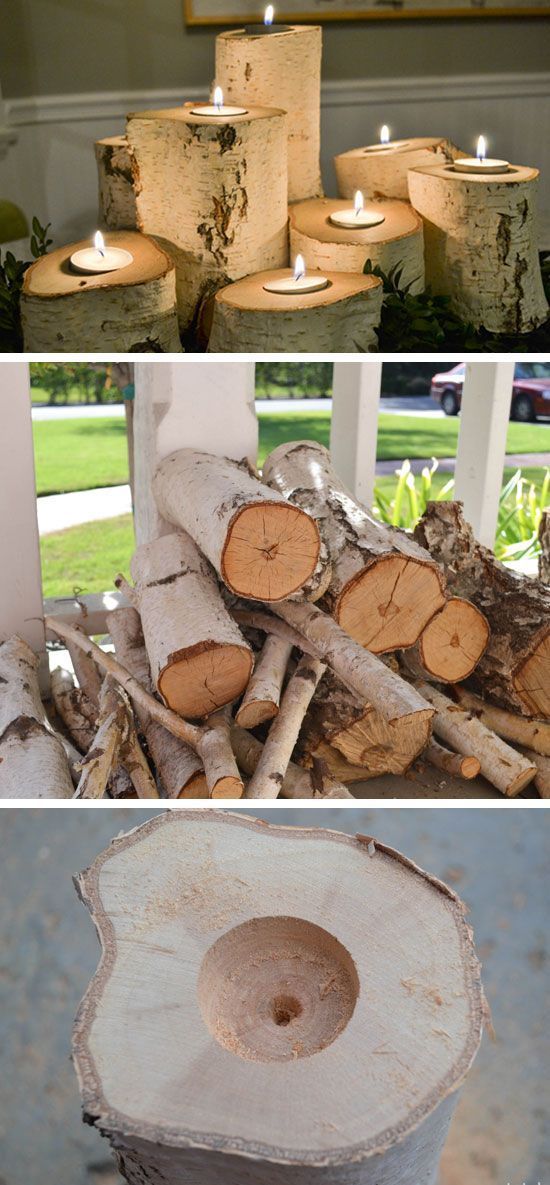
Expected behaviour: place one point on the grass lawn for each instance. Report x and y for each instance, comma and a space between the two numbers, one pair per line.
79, 454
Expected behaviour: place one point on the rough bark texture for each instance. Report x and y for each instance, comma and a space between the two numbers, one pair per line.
222, 775
280, 70
260, 545
384, 174
33, 763
262, 696
481, 245
184, 909
130, 311
359, 733
453, 642
343, 317
544, 540
199, 660
270, 771
515, 668
103, 756
117, 200
398, 242
213, 192
79, 714
178, 767
534, 734
384, 587
297, 782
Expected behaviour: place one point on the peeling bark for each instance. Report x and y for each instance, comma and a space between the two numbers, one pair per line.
33, 763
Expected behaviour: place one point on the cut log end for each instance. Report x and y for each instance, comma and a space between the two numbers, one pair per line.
454, 640
250, 715
270, 551
196, 787
532, 680
379, 747
388, 604
228, 787
198, 681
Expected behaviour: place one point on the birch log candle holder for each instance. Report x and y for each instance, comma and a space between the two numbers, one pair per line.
280, 70
213, 192
117, 200
397, 241
342, 316
127, 310
382, 172
480, 236
324, 1042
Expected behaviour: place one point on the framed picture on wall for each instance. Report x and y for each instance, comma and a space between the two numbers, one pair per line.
236, 12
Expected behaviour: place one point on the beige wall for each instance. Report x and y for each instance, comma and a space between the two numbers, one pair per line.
72, 46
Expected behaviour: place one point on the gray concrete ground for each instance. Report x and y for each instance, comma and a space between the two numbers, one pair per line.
48, 950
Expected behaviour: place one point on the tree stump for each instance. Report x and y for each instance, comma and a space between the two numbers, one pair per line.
280, 70
130, 310
248, 1024
117, 200
396, 242
343, 316
384, 173
213, 191
480, 236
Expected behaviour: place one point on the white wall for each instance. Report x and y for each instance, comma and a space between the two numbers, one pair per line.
51, 169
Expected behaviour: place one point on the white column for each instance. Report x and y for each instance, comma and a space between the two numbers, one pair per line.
20, 576
204, 403
354, 425
481, 451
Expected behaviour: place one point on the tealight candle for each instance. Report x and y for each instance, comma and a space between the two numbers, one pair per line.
217, 108
385, 144
99, 258
480, 163
297, 283
358, 218
260, 30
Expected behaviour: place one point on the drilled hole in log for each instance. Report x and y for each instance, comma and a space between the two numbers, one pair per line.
276, 989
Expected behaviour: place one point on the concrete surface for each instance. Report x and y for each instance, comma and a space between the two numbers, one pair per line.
48, 951
56, 512
397, 404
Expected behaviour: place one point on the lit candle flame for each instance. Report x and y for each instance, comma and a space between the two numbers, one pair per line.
481, 148
268, 17
99, 242
358, 203
385, 134
299, 267
218, 98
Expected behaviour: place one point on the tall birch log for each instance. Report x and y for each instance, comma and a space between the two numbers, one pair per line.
128, 311
262, 696
397, 242
280, 70
384, 588
454, 641
178, 767
184, 910
260, 545
213, 192
521, 730
515, 668
117, 200
383, 173
342, 317
481, 245
270, 771
33, 763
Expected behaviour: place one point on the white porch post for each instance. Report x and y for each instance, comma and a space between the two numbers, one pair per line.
481, 450
354, 425
204, 403
20, 575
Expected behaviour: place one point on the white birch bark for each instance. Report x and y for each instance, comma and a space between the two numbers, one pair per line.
384, 174
33, 763
398, 242
117, 200
297, 782
220, 767
522, 730
262, 696
283, 734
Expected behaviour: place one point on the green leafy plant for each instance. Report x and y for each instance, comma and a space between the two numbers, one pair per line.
521, 505
12, 272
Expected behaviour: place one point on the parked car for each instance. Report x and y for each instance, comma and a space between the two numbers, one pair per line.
530, 397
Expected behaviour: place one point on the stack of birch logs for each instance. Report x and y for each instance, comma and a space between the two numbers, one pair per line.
279, 640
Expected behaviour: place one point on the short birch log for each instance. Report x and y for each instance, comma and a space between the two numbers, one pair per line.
184, 908
384, 173
178, 767
384, 588
270, 771
454, 641
33, 763
280, 70
481, 247
222, 774
213, 192
398, 242
260, 545
520, 730
117, 200
131, 310
198, 657
452, 763
262, 696
342, 317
